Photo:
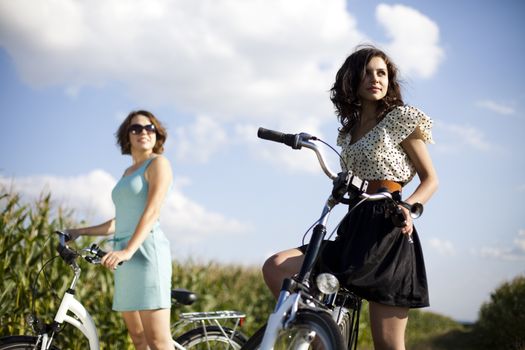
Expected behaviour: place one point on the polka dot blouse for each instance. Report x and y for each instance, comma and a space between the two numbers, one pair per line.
378, 155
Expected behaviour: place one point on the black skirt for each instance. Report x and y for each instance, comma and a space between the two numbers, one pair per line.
372, 258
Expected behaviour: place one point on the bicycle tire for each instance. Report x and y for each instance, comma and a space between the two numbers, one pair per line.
212, 337
17, 342
326, 333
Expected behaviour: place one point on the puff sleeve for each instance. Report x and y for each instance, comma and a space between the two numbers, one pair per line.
405, 120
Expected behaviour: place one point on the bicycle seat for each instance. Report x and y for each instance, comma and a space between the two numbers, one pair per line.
183, 296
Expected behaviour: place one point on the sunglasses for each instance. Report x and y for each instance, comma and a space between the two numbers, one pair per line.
136, 129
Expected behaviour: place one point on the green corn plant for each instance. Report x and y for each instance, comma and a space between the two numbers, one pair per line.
27, 242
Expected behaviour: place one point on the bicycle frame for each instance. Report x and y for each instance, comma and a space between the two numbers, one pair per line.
288, 303
84, 322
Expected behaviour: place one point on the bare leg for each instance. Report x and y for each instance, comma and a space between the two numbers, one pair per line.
280, 266
388, 325
135, 329
156, 325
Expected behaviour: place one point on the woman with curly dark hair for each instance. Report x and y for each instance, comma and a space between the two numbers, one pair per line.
384, 142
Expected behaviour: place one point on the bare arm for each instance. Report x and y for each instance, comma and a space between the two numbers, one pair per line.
417, 151
159, 177
105, 229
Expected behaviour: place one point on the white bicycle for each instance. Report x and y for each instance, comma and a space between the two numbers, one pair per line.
207, 328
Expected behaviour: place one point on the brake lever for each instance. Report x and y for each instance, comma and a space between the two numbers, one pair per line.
416, 209
96, 254
346, 182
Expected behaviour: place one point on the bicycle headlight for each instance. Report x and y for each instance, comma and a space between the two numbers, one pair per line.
327, 283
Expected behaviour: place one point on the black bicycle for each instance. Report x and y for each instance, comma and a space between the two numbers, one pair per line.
313, 311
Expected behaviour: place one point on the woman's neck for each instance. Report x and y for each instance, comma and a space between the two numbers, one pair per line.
139, 157
369, 112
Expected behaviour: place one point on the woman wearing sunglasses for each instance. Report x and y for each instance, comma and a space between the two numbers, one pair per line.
143, 282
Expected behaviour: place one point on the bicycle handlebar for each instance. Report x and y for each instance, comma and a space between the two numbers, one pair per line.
297, 141
293, 140
93, 256
351, 182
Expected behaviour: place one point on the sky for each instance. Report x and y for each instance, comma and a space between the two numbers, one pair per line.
213, 71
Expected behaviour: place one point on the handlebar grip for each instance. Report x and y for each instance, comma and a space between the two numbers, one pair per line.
99, 252
291, 140
271, 135
397, 217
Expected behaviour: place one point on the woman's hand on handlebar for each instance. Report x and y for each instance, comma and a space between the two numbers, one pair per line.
409, 226
112, 259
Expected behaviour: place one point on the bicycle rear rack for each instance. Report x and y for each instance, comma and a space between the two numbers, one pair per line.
211, 315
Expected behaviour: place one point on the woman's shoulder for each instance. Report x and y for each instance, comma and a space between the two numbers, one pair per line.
403, 120
405, 111
407, 115
158, 167
159, 158
159, 161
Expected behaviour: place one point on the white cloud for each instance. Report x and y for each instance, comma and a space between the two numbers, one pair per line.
89, 195
283, 156
199, 141
513, 253
184, 221
496, 107
187, 222
223, 62
443, 247
225, 58
414, 38
520, 241
457, 136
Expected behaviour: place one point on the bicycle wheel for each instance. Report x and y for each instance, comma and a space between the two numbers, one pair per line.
212, 337
20, 343
346, 328
310, 330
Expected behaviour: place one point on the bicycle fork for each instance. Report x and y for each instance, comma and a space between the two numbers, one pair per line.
281, 318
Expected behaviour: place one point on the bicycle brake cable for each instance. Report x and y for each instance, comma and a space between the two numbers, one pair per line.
34, 282
333, 149
309, 229
349, 211
337, 226
41, 271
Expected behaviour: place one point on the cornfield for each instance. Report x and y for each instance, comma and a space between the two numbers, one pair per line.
27, 242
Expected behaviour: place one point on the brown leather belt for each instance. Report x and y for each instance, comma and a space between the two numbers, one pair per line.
375, 186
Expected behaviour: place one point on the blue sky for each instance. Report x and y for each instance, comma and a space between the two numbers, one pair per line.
216, 70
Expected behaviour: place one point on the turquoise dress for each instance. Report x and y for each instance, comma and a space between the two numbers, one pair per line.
144, 281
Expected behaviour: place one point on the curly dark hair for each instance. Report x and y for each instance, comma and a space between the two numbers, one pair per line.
344, 92
122, 133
